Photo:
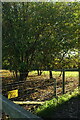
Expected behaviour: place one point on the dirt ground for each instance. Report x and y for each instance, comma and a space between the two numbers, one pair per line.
35, 88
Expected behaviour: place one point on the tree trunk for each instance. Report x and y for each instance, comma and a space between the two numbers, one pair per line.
13, 73
23, 75
16, 74
60, 74
50, 73
39, 72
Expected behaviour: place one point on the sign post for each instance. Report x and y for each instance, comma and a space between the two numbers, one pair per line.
12, 94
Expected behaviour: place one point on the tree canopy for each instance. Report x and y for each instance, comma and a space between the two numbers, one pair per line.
39, 35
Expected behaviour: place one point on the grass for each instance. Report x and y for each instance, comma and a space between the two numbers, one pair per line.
72, 74
51, 105
68, 74
6, 73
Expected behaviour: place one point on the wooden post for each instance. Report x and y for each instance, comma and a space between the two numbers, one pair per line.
79, 78
63, 78
54, 87
50, 72
79, 83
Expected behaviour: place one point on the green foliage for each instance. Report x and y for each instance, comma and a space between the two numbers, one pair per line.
50, 105
40, 34
22, 67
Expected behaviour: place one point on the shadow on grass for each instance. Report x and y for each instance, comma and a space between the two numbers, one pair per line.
68, 109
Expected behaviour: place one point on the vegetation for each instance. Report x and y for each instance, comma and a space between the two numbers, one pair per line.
52, 104
38, 88
56, 73
40, 35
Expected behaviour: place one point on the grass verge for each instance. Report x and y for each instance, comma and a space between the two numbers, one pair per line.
51, 105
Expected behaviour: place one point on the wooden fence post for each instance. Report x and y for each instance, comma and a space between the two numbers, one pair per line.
54, 87
79, 82
63, 84
79, 78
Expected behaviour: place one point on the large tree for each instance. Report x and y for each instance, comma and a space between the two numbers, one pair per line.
35, 34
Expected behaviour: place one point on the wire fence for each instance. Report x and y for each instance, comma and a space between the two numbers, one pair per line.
20, 85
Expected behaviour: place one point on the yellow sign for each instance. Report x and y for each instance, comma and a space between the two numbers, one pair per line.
12, 94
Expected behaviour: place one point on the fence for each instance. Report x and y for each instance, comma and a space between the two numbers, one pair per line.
19, 83
15, 110
63, 78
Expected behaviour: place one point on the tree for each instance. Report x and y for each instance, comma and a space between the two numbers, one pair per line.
36, 34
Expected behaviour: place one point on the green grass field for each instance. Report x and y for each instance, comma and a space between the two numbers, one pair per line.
55, 73
68, 74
